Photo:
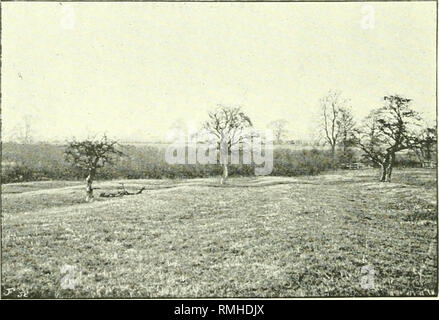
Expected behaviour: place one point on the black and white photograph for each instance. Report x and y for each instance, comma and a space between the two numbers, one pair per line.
216, 150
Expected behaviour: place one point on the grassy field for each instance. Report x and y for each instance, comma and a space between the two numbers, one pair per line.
255, 237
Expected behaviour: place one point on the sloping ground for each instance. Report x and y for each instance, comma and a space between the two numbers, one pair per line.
257, 237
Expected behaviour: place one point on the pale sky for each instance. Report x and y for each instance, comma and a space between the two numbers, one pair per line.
132, 70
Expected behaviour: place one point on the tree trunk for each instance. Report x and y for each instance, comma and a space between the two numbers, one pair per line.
225, 174
345, 143
89, 188
386, 167
390, 167
389, 173
333, 155
383, 172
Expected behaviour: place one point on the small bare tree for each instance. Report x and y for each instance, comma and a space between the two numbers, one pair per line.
279, 129
388, 130
347, 127
333, 109
27, 134
90, 155
227, 124
426, 144
22, 132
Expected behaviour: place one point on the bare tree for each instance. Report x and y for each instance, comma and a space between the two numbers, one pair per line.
227, 124
333, 106
27, 138
388, 130
90, 155
346, 127
22, 132
279, 129
426, 144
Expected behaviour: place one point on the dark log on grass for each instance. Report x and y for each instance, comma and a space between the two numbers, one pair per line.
120, 193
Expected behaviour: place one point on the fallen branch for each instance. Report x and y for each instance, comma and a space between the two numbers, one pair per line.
120, 193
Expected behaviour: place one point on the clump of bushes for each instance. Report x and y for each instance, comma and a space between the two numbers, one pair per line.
407, 160
304, 162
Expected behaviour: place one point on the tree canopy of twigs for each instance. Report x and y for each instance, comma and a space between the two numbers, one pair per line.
227, 124
279, 128
426, 144
387, 130
337, 121
91, 154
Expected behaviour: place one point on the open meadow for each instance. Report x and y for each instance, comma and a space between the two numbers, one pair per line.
253, 237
